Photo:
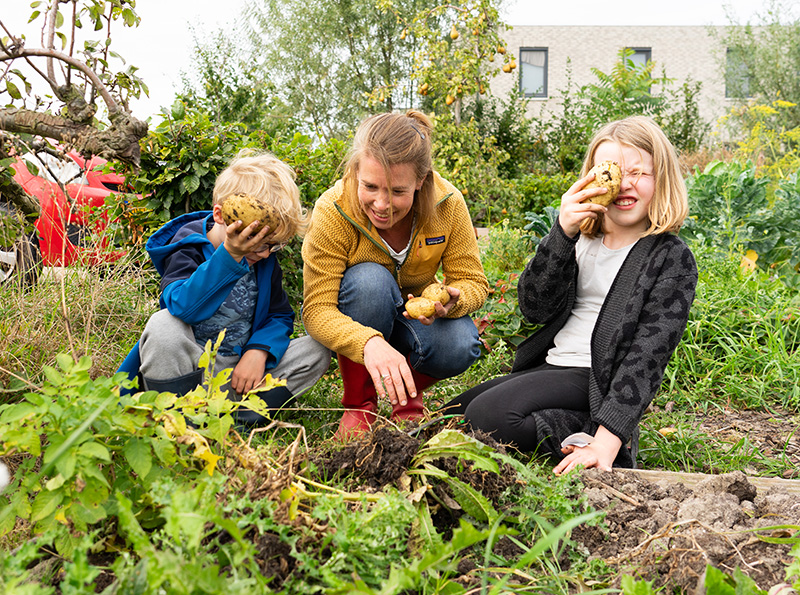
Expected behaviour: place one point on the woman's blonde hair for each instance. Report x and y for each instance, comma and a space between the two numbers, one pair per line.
394, 139
670, 205
270, 180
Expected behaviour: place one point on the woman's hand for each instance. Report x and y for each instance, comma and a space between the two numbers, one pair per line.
249, 372
600, 453
573, 211
389, 370
441, 311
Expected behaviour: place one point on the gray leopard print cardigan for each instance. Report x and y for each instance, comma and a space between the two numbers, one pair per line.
639, 326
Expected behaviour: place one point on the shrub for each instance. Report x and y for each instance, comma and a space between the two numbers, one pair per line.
733, 210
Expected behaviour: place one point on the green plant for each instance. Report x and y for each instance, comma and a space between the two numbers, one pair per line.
740, 344
767, 137
537, 191
767, 56
733, 210
180, 161
505, 250
628, 89
738, 583
625, 91
472, 163
499, 319
98, 313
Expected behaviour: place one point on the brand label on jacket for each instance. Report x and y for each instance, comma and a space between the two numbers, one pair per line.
434, 241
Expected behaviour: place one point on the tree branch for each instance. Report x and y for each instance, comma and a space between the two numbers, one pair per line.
113, 107
119, 141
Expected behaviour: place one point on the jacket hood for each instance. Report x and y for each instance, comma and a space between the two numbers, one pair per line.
177, 233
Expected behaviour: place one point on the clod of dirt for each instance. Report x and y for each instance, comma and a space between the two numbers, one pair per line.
668, 533
376, 459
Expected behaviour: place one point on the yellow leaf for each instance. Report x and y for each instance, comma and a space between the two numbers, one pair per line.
748, 263
268, 384
61, 518
210, 458
667, 432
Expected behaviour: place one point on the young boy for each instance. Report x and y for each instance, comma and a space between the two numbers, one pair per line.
216, 276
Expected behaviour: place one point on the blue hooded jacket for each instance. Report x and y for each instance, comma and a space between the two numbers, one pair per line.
199, 277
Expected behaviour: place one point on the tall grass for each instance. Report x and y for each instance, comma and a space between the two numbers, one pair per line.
741, 344
94, 312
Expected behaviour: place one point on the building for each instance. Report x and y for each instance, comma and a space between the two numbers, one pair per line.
542, 54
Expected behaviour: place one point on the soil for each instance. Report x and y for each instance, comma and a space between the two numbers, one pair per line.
661, 531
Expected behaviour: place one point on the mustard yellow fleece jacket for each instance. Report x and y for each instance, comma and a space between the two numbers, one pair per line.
339, 238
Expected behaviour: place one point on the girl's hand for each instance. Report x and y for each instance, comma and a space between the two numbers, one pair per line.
389, 371
600, 453
441, 311
241, 242
573, 211
249, 372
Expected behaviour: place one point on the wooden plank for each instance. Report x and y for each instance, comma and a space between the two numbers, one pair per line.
690, 480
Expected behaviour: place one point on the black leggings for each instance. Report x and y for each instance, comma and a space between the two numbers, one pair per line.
503, 406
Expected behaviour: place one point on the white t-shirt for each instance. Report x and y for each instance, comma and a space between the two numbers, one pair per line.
597, 268
400, 257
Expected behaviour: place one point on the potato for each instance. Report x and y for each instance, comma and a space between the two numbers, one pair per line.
609, 176
420, 306
436, 292
245, 208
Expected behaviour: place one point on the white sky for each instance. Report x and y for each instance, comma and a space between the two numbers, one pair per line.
162, 44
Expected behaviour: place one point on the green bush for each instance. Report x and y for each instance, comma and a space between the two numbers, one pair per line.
732, 209
538, 190
181, 159
472, 163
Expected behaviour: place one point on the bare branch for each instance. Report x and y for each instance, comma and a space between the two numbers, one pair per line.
113, 107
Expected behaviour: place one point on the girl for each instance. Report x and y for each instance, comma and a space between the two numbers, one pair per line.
612, 287
380, 234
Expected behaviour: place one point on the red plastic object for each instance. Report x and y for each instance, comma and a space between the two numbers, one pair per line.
71, 231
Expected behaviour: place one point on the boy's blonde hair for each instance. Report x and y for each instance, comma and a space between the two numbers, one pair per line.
670, 204
394, 139
270, 180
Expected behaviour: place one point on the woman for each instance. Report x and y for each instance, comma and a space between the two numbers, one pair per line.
377, 237
612, 287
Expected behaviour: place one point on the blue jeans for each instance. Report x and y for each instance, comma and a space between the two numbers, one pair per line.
369, 295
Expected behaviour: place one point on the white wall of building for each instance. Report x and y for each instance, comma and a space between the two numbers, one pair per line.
680, 51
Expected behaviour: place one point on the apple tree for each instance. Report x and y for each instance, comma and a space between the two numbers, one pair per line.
68, 88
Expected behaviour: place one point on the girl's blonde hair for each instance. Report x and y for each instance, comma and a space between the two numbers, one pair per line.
670, 204
270, 180
394, 139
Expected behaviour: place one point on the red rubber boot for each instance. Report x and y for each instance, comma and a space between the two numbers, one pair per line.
414, 408
360, 400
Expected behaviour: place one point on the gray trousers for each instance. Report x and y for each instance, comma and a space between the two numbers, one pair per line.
168, 350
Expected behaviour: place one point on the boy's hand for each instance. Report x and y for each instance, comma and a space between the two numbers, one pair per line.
249, 372
241, 242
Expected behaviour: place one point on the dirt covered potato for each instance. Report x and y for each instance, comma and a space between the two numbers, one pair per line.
420, 306
608, 175
244, 208
436, 292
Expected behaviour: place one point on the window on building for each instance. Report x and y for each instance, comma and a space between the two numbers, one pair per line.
640, 56
737, 75
533, 72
